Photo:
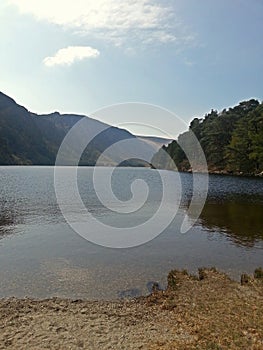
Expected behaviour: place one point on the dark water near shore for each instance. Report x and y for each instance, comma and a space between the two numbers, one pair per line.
41, 256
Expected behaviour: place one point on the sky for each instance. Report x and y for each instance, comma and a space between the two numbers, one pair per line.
79, 56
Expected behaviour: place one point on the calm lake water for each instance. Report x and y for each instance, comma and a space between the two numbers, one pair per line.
41, 256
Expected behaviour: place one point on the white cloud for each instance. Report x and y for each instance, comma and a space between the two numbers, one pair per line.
110, 14
71, 54
146, 21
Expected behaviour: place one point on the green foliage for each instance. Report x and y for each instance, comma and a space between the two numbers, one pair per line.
258, 273
176, 157
245, 151
232, 140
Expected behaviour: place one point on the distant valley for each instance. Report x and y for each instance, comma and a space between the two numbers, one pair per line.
30, 139
231, 140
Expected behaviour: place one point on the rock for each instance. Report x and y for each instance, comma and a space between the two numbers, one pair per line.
244, 279
153, 286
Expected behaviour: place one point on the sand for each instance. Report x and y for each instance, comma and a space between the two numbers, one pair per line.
209, 312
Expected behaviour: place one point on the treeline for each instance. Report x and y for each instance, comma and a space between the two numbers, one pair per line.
232, 140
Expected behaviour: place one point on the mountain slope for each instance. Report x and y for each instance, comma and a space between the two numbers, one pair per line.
31, 139
157, 142
21, 141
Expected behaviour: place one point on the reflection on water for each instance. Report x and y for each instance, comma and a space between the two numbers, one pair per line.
8, 219
47, 258
240, 221
233, 209
6, 223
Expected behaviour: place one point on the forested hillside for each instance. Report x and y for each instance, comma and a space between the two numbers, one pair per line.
232, 140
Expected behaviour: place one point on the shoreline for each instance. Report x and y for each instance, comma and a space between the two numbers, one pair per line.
209, 172
224, 173
208, 311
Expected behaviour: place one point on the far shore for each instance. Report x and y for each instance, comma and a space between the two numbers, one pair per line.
208, 311
149, 166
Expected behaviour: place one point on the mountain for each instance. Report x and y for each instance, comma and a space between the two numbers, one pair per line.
232, 141
157, 142
21, 141
30, 139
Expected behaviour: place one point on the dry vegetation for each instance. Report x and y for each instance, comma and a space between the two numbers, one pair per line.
208, 312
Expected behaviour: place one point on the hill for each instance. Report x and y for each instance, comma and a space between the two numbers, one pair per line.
232, 140
30, 139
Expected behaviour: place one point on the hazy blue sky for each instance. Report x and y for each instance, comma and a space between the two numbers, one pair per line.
185, 55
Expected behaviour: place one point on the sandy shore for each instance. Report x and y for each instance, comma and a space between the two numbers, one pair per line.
208, 312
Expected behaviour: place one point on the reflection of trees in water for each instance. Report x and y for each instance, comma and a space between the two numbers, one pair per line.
8, 218
242, 222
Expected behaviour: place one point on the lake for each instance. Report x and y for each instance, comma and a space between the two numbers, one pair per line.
41, 256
